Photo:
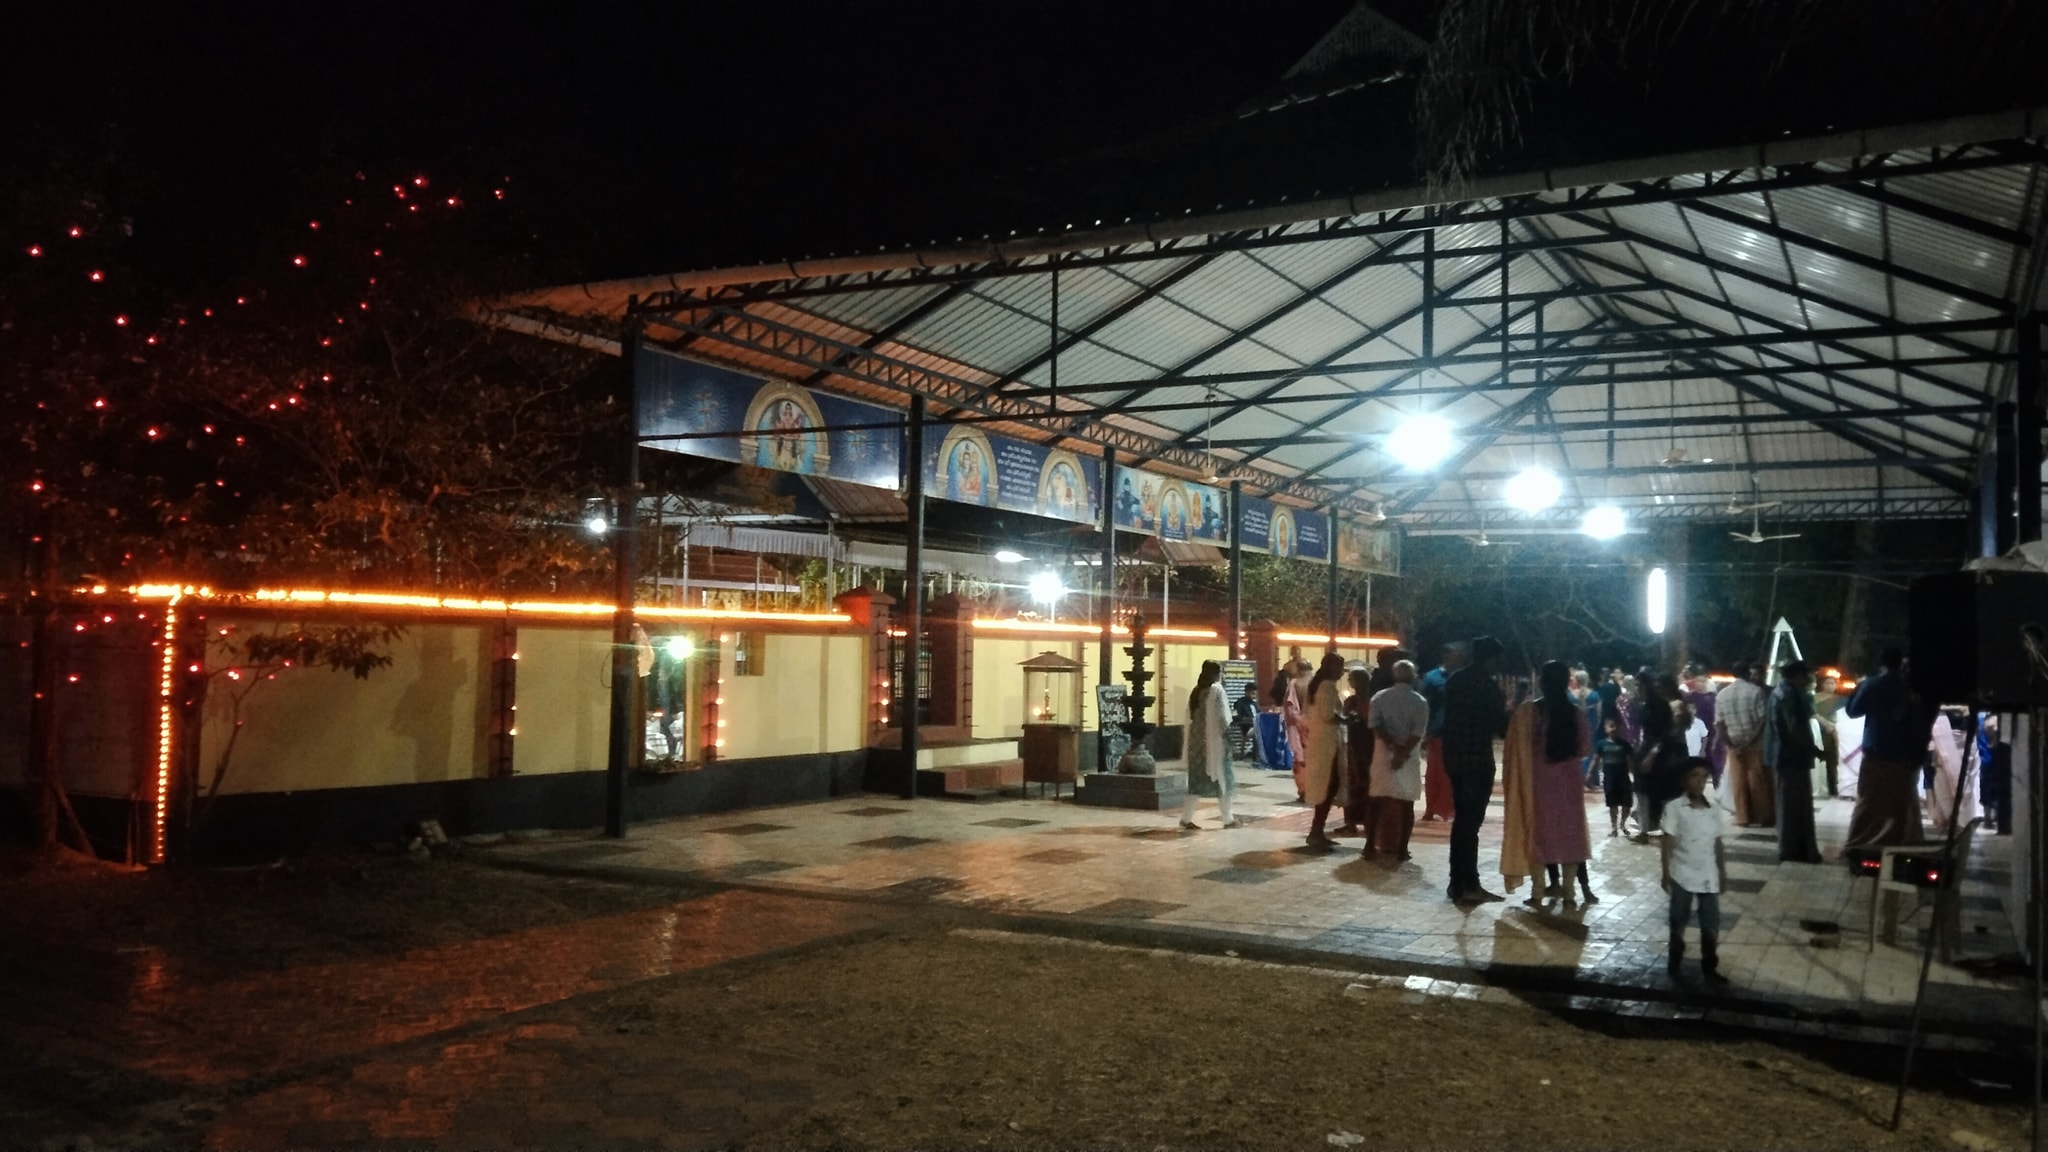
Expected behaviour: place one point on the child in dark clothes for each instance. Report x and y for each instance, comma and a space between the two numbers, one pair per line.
1614, 754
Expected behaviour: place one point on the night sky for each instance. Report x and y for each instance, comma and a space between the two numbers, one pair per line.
641, 138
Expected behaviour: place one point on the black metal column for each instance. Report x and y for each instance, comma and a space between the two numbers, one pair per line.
1984, 507
1230, 641
1106, 602
625, 659
2027, 428
1330, 543
1108, 598
1429, 295
913, 590
2005, 442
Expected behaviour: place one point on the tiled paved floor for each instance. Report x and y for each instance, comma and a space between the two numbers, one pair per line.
1053, 858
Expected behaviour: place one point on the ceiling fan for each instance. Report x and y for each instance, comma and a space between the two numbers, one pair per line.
1215, 470
1755, 535
1482, 541
1677, 455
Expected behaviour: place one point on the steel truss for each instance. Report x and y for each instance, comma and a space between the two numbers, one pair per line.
813, 352
1638, 337
1710, 507
1677, 189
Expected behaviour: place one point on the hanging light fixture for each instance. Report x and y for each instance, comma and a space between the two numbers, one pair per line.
1422, 441
1533, 488
1604, 522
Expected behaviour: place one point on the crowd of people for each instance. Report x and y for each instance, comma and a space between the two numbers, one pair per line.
1677, 758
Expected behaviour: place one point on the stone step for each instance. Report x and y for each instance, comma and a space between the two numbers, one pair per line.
970, 778
974, 795
951, 756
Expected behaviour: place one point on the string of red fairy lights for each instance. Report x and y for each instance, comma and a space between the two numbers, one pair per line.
143, 337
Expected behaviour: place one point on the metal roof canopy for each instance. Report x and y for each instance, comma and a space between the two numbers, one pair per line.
1827, 323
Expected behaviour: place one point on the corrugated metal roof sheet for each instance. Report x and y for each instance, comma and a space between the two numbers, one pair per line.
1751, 264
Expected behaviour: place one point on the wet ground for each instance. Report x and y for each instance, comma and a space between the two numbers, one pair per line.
868, 973
1798, 939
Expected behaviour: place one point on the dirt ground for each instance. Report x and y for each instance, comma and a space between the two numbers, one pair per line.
945, 1041
925, 1034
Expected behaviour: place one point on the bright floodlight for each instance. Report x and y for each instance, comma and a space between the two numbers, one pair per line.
595, 525
1046, 587
1534, 489
1605, 522
678, 647
1658, 590
1422, 442
1008, 556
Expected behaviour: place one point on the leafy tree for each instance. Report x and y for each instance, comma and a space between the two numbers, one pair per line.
316, 406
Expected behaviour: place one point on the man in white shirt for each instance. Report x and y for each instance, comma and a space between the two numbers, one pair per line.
1695, 870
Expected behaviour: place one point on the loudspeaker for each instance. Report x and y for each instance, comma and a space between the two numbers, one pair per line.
1972, 632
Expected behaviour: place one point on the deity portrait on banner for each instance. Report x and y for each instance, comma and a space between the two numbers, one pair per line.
1173, 512
1129, 512
967, 468
785, 431
1282, 532
1209, 524
1061, 490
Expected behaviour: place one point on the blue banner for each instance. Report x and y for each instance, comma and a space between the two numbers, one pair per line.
779, 426
1172, 509
1183, 510
969, 466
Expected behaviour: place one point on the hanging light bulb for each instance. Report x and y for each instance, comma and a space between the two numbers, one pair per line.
1604, 522
1422, 441
1533, 489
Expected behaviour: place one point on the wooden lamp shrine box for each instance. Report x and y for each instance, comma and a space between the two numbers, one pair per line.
1052, 719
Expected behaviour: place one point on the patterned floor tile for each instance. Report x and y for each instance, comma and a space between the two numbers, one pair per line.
1060, 856
749, 829
896, 843
1129, 908
1238, 875
875, 810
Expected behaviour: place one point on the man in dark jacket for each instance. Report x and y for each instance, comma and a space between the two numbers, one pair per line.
1475, 715
1896, 729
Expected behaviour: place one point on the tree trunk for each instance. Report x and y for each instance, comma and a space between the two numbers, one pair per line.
41, 782
1854, 656
51, 819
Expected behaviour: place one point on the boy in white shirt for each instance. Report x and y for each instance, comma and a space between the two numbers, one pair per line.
1695, 869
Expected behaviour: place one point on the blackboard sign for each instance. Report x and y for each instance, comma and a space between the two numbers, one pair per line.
1240, 678
1114, 709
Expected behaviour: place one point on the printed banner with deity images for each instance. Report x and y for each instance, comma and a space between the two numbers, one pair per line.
1200, 513
969, 466
1362, 549
779, 425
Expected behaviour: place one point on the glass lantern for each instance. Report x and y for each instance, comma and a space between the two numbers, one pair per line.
1051, 747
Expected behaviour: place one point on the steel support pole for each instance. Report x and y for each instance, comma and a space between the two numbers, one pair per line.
625, 659
2005, 511
1330, 544
1230, 641
1109, 479
913, 589
1106, 603
1428, 296
2027, 427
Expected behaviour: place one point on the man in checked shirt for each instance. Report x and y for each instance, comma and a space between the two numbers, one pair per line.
1740, 708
